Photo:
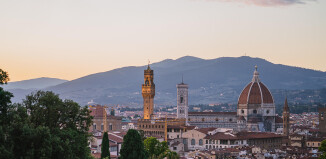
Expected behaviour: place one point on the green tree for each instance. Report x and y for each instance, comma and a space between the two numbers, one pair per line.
67, 122
172, 155
4, 77
105, 150
5, 117
322, 149
155, 148
133, 146
43, 126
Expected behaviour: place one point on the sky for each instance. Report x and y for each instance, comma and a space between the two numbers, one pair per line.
69, 39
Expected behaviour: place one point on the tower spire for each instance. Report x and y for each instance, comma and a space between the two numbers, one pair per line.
148, 68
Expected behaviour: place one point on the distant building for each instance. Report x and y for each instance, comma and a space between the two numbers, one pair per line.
213, 119
151, 126
322, 120
255, 112
113, 123
182, 101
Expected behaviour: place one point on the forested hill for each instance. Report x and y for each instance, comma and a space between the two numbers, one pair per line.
217, 80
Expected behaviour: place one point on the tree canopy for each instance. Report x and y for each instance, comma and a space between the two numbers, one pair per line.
4, 77
133, 146
43, 126
155, 148
322, 149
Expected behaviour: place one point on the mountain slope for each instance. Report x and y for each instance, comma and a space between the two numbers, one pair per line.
38, 83
210, 81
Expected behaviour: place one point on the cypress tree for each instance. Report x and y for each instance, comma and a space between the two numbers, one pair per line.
105, 150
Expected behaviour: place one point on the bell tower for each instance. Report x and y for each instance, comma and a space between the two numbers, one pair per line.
148, 92
286, 118
182, 101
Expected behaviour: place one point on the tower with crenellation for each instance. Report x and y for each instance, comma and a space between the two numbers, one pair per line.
148, 92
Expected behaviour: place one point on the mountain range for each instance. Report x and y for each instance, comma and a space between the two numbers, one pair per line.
217, 80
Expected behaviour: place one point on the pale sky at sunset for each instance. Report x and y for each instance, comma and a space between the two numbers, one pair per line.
69, 39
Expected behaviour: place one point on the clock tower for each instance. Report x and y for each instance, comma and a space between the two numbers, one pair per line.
148, 92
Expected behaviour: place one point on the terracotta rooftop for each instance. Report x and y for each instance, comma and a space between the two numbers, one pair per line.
255, 92
212, 113
205, 130
97, 112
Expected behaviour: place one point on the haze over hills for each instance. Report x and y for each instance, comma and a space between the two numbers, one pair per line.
37, 83
210, 81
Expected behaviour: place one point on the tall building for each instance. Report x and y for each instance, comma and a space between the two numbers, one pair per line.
322, 120
182, 100
148, 92
286, 118
256, 108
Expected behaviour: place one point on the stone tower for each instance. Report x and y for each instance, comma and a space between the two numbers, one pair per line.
148, 92
182, 101
286, 118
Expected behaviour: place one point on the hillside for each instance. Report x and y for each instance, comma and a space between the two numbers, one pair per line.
210, 81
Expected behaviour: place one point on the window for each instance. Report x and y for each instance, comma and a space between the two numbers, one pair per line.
267, 111
110, 127
242, 111
192, 141
177, 136
174, 148
206, 141
181, 99
230, 119
254, 111
216, 119
200, 141
102, 127
203, 119
94, 126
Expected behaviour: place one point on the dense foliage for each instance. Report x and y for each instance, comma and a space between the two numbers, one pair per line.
322, 149
105, 149
43, 126
154, 147
133, 146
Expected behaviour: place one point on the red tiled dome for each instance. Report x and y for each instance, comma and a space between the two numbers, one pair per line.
255, 92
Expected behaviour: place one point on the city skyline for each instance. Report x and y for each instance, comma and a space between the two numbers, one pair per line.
71, 39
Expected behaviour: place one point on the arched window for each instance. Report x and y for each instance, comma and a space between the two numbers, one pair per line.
94, 126
254, 111
193, 142
200, 141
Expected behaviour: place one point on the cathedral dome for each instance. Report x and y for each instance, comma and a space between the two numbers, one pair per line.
255, 92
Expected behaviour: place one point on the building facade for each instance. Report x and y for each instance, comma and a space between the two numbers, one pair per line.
102, 121
213, 119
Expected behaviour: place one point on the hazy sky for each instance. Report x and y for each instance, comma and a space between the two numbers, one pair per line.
71, 38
